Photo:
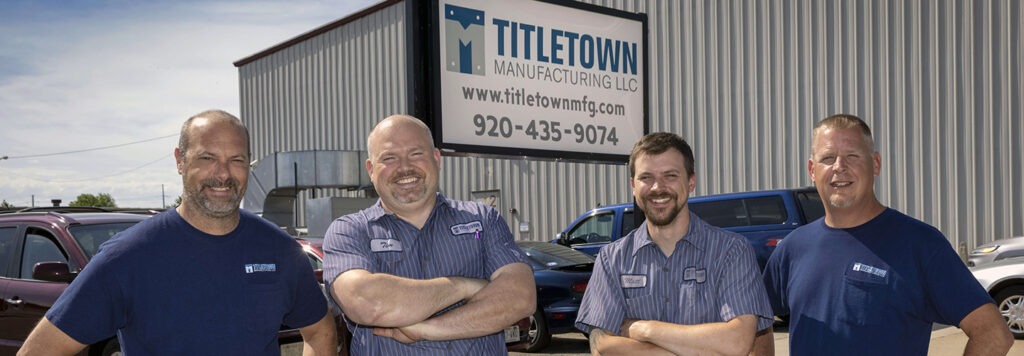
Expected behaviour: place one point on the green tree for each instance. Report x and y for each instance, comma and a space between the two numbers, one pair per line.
102, 199
177, 202
5, 204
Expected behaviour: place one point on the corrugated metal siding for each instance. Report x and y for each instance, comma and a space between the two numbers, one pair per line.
939, 81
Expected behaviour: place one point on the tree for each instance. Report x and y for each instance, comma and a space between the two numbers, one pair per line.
103, 200
5, 204
177, 202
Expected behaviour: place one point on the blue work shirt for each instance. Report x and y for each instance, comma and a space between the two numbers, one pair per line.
460, 238
711, 276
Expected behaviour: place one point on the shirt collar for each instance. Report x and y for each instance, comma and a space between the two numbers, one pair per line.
696, 236
376, 211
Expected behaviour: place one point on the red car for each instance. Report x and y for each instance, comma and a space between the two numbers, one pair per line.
40, 253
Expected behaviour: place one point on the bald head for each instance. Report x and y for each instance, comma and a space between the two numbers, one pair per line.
387, 127
206, 119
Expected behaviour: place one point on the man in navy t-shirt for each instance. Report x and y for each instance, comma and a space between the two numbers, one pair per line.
866, 279
202, 279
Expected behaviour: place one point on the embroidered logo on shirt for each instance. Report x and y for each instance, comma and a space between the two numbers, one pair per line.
468, 228
860, 267
693, 274
260, 267
633, 281
385, 245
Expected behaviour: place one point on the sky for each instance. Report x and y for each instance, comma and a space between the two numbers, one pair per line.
93, 93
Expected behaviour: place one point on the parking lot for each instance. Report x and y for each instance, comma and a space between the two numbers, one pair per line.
946, 341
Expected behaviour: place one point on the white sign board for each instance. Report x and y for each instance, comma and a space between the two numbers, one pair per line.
531, 78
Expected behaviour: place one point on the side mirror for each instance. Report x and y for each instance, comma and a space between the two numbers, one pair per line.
52, 272
560, 239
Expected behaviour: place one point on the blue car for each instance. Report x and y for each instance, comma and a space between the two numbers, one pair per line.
562, 275
763, 217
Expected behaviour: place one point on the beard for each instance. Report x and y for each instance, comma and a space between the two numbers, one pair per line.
840, 201
412, 195
666, 215
212, 208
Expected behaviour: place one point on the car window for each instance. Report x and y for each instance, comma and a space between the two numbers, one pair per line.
91, 236
314, 261
39, 248
721, 213
8, 240
596, 228
766, 210
628, 222
810, 203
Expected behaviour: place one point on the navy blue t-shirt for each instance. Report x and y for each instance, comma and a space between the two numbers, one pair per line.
167, 288
874, 289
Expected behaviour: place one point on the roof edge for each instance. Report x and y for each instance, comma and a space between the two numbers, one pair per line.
315, 32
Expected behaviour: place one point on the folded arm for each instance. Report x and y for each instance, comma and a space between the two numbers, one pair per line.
604, 343
734, 337
511, 295
384, 300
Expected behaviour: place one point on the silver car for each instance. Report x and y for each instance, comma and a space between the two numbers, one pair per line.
996, 250
1004, 281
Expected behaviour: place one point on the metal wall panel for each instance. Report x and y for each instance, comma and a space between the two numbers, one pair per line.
743, 81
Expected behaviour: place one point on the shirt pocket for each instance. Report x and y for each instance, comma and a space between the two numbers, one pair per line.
644, 307
264, 307
865, 299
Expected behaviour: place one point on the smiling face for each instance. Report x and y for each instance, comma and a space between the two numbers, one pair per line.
214, 167
661, 186
403, 164
843, 166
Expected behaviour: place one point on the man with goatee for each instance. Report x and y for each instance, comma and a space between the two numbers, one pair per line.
675, 285
202, 279
419, 273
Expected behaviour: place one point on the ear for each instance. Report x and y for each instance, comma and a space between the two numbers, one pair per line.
369, 168
178, 160
810, 169
693, 181
437, 157
877, 158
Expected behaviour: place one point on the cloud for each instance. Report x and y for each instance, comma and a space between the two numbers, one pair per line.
80, 75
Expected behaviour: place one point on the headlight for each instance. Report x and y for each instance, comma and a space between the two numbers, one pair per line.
985, 250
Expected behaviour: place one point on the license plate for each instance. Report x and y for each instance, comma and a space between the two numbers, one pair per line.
512, 334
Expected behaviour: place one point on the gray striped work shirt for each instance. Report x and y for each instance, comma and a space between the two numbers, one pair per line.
712, 276
459, 238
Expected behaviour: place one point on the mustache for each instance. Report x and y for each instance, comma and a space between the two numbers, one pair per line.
660, 195
407, 173
214, 183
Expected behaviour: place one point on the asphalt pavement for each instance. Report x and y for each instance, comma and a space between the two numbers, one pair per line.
946, 341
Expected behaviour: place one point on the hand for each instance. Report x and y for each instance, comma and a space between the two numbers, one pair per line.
635, 329
405, 335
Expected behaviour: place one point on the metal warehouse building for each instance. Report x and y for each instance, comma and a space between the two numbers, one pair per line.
940, 82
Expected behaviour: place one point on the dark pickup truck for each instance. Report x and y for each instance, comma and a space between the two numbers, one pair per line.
763, 217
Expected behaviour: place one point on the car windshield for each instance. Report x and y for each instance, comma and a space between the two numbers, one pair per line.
554, 256
91, 236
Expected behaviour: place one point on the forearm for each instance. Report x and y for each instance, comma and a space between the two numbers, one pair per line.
605, 344
510, 296
320, 338
385, 300
735, 337
764, 343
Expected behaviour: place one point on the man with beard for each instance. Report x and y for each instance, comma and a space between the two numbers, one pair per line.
866, 279
202, 279
418, 273
675, 285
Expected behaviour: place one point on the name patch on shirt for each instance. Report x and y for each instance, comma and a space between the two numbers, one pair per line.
694, 274
473, 227
860, 267
385, 245
260, 267
633, 281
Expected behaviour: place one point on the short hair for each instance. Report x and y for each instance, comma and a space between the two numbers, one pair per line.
398, 118
213, 114
842, 121
657, 143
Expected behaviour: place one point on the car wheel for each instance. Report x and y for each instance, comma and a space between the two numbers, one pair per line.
1011, 305
537, 336
111, 347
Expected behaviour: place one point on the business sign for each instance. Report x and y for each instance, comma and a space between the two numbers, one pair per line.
542, 79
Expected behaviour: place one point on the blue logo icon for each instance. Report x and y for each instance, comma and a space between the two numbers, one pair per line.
464, 39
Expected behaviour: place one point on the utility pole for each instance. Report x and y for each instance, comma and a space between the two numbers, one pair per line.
163, 197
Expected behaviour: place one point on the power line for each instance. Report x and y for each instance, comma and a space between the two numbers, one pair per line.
92, 178
88, 149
